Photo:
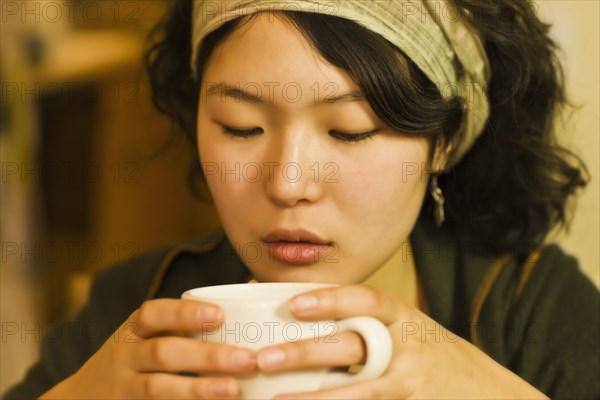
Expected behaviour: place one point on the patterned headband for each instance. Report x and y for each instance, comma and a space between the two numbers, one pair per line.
433, 34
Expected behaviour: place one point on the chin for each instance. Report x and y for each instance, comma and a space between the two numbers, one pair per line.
308, 273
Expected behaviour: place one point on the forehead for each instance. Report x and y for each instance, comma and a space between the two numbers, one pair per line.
268, 50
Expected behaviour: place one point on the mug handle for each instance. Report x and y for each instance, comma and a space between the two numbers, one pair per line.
379, 351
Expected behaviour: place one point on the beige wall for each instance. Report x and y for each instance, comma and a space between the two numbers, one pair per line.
575, 27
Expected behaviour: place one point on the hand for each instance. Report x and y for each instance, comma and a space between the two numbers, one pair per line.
144, 355
428, 361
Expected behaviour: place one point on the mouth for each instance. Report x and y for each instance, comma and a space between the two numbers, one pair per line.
293, 236
296, 247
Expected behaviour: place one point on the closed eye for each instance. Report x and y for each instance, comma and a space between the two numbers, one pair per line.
245, 133
353, 137
347, 137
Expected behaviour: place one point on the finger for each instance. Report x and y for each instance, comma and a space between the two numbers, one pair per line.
177, 354
371, 390
343, 349
157, 316
347, 301
166, 386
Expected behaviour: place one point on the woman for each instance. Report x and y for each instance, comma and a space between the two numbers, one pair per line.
402, 150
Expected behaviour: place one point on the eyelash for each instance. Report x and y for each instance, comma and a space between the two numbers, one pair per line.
243, 133
353, 137
346, 137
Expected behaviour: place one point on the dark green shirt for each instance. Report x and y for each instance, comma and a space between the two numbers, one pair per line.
538, 317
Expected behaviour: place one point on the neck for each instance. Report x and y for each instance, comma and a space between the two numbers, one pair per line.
397, 277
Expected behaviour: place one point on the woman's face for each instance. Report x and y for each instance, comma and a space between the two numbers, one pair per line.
309, 184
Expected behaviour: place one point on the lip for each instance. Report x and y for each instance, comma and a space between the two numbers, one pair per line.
293, 235
296, 246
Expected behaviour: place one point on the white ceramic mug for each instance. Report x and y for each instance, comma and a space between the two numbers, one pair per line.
256, 315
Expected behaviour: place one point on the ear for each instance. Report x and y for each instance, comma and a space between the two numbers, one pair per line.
441, 153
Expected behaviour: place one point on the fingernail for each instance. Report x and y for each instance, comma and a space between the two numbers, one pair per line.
271, 358
304, 303
223, 388
243, 359
211, 313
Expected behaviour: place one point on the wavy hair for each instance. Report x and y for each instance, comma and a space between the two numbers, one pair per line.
508, 191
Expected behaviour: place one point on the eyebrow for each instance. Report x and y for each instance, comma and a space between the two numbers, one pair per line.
344, 98
235, 92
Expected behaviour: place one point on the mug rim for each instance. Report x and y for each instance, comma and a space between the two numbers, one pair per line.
236, 291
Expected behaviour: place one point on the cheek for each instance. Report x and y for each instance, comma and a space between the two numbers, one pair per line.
384, 200
391, 180
226, 171
214, 163
222, 174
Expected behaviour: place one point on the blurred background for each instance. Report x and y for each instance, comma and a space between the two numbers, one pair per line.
91, 176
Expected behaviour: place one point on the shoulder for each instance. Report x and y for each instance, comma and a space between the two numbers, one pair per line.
116, 292
561, 306
554, 292
541, 319
551, 278
545, 286
538, 316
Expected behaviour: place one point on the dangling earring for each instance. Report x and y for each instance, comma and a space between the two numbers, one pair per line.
438, 210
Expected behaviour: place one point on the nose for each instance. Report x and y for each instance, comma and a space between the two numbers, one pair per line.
292, 172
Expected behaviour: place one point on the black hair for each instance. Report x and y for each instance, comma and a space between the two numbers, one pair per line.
509, 190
